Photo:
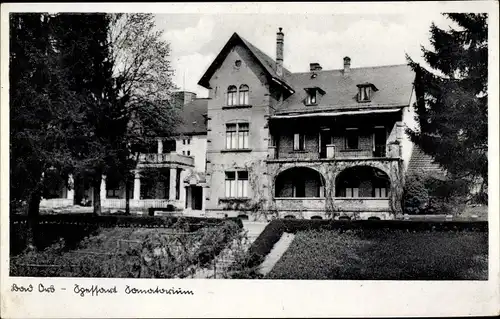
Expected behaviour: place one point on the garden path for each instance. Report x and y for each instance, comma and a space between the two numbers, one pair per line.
275, 254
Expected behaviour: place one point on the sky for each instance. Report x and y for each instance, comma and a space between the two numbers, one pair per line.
368, 39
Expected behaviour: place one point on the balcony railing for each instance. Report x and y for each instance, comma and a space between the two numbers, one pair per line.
334, 152
166, 158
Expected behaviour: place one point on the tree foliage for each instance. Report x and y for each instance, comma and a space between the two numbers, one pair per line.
41, 105
84, 90
451, 97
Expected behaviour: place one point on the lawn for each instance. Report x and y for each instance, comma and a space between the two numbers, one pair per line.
385, 255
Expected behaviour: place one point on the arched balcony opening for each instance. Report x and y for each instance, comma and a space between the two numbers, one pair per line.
300, 182
362, 181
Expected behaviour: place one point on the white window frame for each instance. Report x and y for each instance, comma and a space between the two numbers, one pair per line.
232, 95
365, 93
312, 97
238, 138
244, 92
236, 184
299, 142
381, 192
352, 192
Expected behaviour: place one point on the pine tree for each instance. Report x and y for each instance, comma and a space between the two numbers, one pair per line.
452, 99
40, 112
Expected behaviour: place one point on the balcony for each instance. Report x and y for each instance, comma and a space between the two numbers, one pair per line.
333, 153
154, 159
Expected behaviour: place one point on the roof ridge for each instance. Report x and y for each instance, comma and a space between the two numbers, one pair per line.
358, 68
267, 56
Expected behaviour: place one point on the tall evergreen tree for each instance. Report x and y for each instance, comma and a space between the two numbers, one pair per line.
452, 97
40, 111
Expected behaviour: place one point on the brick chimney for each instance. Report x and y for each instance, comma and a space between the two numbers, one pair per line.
347, 65
279, 52
315, 67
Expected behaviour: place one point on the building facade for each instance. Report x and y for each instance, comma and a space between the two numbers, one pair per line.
269, 142
316, 144
170, 173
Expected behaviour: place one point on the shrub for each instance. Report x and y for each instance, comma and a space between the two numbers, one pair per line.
155, 255
424, 193
415, 195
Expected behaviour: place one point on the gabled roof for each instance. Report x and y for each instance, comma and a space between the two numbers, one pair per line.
192, 116
263, 59
394, 84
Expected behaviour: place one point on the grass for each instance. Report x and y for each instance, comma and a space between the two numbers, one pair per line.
385, 255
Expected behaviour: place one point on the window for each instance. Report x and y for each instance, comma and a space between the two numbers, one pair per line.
183, 141
189, 153
112, 187
237, 136
351, 139
380, 192
311, 97
231, 95
178, 183
352, 192
298, 142
364, 93
244, 94
189, 141
183, 152
237, 184
237, 63
299, 188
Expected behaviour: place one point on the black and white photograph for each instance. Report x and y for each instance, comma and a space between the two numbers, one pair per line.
244, 146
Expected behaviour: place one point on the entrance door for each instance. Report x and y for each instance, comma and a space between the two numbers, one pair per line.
325, 138
379, 141
196, 197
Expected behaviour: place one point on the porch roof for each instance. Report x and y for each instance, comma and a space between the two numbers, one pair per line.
337, 113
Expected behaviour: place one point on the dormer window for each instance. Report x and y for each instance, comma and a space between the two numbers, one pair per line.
365, 92
313, 95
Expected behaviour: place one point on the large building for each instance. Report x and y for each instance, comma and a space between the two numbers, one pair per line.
269, 142
313, 144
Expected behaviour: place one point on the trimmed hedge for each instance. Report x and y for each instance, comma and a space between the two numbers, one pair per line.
124, 220
274, 230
